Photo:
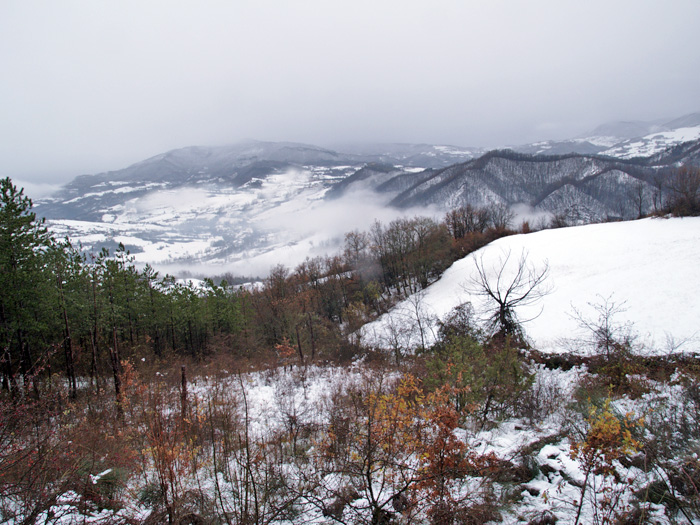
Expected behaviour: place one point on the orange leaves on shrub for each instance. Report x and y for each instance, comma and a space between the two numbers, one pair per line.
405, 438
609, 438
284, 350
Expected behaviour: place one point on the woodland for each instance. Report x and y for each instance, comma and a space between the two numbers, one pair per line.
128, 396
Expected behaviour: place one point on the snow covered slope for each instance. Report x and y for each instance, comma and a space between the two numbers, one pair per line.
581, 187
211, 228
653, 143
240, 208
623, 140
648, 268
644, 139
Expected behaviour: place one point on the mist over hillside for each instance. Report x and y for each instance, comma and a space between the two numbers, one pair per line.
243, 208
280, 263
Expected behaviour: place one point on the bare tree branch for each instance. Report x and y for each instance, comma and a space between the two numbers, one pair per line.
507, 285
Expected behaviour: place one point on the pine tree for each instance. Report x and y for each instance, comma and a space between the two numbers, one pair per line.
25, 286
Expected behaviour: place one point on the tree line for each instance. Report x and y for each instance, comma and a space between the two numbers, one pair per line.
80, 314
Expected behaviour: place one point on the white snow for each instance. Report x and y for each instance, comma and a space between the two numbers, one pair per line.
97, 477
648, 267
452, 150
653, 143
602, 141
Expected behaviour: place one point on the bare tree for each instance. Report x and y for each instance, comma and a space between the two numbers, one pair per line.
501, 216
659, 182
507, 285
611, 343
420, 318
604, 335
638, 195
685, 190
467, 219
356, 252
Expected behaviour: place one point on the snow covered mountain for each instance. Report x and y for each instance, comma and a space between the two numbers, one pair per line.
646, 268
584, 188
248, 206
577, 188
653, 143
623, 139
231, 206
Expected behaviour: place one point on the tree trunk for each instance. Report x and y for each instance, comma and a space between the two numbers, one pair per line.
183, 394
311, 333
67, 344
94, 336
301, 354
116, 372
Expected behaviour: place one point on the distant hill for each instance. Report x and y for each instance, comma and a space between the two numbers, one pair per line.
623, 139
583, 188
243, 203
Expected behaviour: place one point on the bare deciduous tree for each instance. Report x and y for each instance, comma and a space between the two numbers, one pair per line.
501, 216
638, 195
685, 189
659, 182
507, 285
604, 334
467, 219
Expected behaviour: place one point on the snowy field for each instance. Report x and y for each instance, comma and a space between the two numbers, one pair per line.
648, 269
653, 143
245, 230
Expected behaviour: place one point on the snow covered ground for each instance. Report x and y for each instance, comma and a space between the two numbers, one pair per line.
276, 398
647, 268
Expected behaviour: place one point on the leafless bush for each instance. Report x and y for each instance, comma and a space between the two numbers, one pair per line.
542, 399
611, 343
684, 185
252, 485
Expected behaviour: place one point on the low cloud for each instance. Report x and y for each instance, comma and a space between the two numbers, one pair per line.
36, 190
526, 213
301, 229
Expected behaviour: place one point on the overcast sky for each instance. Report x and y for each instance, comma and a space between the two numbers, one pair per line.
89, 86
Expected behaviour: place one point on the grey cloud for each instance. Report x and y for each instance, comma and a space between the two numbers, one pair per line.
91, 86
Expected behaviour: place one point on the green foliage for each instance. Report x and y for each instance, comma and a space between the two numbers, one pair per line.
103, 488
151, 495
63, 308
489, 379
25, 287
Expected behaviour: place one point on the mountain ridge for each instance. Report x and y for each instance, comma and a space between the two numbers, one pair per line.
227, 204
